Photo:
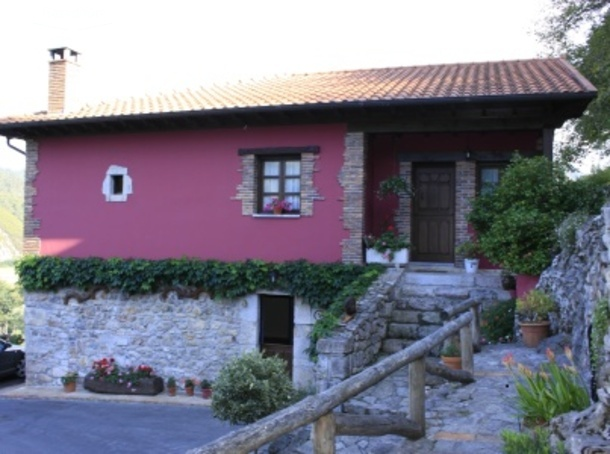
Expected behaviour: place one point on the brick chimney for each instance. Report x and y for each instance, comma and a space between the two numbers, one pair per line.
63, 67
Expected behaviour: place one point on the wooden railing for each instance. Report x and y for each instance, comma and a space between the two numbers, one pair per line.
318, 409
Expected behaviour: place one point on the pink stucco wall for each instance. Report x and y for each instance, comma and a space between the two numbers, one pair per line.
184, 184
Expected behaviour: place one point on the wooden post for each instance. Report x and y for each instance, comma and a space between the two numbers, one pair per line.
324, 434
417, 393
467, 350
476, 327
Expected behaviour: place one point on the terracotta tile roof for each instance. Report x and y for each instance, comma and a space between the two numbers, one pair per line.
470, 81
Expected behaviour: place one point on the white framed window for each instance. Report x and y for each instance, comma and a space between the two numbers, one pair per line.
117, 184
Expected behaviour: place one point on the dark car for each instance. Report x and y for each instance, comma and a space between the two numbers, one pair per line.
12, 360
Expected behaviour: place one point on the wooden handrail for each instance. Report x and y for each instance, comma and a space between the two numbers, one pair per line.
315, 407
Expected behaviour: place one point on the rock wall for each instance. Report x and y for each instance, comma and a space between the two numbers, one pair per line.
579, 279
177, 337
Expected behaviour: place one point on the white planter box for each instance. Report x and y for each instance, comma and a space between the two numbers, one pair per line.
401, 257
471, 265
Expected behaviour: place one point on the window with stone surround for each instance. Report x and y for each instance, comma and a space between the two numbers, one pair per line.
279, 179
283, 172
117, 184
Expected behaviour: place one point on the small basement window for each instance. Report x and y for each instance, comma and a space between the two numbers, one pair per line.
117, 185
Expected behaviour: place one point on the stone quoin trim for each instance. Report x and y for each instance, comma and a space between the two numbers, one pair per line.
465, 192
352, 180
403, 213
247, 189
31, 242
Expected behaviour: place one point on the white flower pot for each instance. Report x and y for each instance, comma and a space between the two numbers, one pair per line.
471, 265
401, 257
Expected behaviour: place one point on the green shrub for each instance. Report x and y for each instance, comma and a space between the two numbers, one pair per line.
11, 312
251, 387
497, 321
549, 392
517, 222
536, 442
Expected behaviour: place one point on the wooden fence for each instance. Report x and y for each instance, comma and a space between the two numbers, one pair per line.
318, 409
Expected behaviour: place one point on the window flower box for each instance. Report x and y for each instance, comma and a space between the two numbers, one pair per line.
401, 257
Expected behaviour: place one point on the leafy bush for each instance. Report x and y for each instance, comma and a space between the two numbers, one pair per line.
251, 387
549, 392
536, 442
498, 320
516, 223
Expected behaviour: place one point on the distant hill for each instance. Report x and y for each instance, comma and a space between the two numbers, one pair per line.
11, 214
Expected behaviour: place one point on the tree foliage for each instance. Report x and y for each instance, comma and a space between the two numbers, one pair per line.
580, 30
516, 224
11, 309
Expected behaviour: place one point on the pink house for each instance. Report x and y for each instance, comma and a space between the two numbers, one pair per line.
190, 173
195, 173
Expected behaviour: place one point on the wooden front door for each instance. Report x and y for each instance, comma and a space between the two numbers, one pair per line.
277, 327
433, 217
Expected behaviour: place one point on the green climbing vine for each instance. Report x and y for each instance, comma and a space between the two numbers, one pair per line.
599, 328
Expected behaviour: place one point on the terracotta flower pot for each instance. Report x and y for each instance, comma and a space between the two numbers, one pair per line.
534, 333
171, 391
206, 393
190, 390
70, 387
278, 210
452, 362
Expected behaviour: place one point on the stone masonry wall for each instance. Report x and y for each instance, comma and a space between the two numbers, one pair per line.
578, 279
356, 345
177, 337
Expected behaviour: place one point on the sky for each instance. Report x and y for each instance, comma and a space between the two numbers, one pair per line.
130, 47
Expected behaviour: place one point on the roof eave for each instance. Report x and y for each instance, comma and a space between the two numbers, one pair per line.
41, 128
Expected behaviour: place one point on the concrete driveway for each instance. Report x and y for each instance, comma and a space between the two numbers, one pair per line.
31, 425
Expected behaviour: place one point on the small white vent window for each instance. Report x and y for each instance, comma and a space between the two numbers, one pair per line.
117, 184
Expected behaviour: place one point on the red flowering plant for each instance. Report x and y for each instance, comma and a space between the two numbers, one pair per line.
276, 204
387, 243
106, 369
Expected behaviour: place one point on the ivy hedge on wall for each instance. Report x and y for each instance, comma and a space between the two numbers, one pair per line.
324, 286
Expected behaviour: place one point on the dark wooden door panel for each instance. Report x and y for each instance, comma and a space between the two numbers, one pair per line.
432, 232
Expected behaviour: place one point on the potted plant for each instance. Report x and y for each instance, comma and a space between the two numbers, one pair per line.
394, 185
451, 355
206, 388
107, 376
189, 386
389, 247
533, 311
277, 206
470, 250
171, 386
69, 381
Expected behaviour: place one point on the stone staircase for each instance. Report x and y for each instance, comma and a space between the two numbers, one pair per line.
424, 291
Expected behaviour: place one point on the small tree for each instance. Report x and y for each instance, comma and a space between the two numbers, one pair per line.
516, 223
251, 387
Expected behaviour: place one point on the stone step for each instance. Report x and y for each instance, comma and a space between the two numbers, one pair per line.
395, 345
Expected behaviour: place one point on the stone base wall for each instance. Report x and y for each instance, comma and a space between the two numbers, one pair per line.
357, 343
177, 337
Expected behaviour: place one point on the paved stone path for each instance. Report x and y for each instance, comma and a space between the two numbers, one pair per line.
460, 418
